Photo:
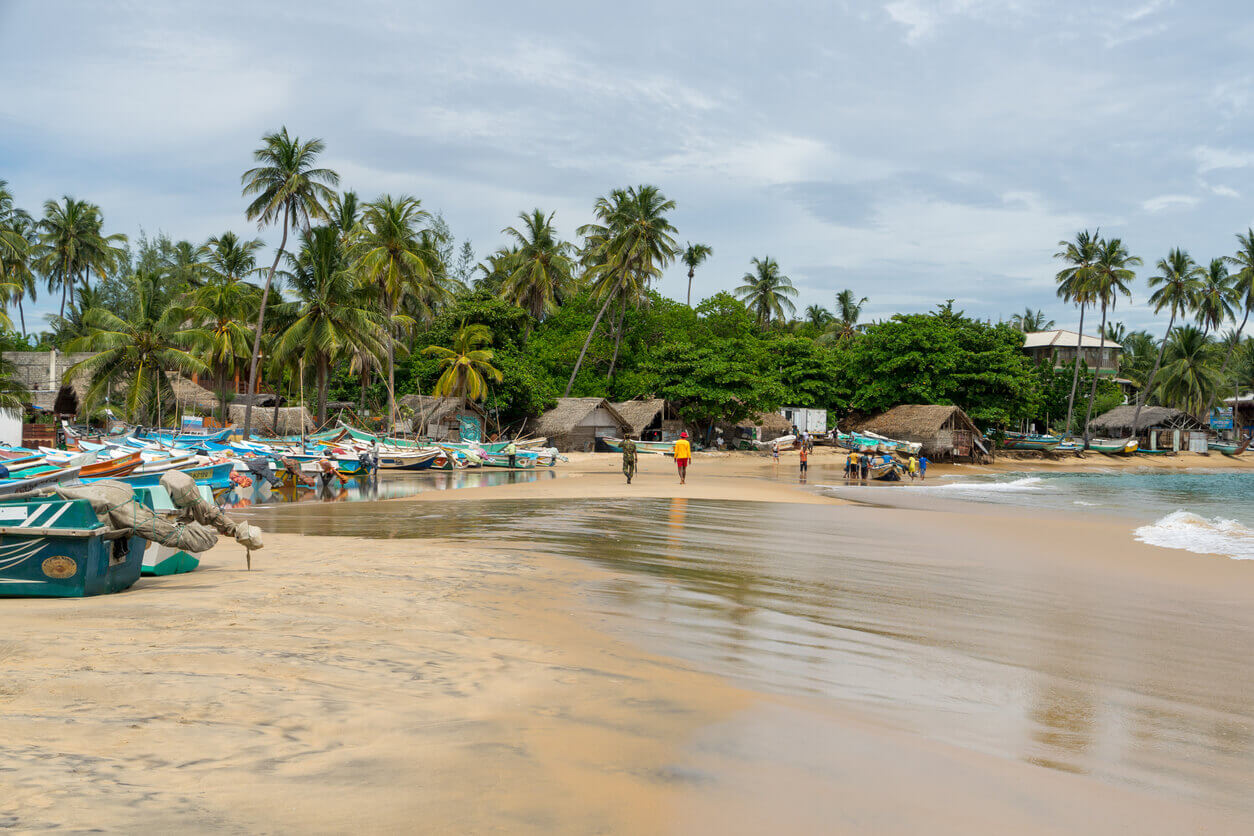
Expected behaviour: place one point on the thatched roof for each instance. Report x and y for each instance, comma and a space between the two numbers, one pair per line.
563, 418
915, 422
640, 413
190, 394
259, 399
768, 422
290, 419
1118, 421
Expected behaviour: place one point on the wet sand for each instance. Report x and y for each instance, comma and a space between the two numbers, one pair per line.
494, 682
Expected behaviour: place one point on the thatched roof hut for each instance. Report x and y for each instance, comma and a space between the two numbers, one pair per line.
654, 416
192, 396
944, 431
291, 419
576, 423
1117, 423
445, 419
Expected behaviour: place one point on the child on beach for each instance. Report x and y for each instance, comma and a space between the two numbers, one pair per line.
805, 462
913, 468
683, 455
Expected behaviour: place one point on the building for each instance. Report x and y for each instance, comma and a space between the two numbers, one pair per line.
651, 419
575, 424
944, 431
812, 421
1059, 347
445, 419
1157, 428
1244, 415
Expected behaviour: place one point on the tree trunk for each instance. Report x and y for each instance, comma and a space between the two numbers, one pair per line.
391, 378
618, 338
1149, 384
1101, 348
261, 321
1075, 376
365, 381
591, 332
62, 314
1210, 406
691, 272
322, 390
21, 313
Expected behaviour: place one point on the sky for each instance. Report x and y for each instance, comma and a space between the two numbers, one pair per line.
910, 150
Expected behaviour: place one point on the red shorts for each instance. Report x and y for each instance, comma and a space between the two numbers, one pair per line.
682, 463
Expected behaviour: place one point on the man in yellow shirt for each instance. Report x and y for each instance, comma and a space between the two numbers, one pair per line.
683, 455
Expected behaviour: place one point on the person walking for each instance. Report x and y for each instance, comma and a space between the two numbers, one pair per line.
851, 466
805, 462
629, 457
913, 468
923, 468
683, 455
865, 466
511, 450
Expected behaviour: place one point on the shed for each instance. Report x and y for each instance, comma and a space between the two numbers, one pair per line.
943, 430
445, 419
576, 423
652, 419
1157, 428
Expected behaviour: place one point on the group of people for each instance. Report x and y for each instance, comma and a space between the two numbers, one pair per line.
683, 456
858, 466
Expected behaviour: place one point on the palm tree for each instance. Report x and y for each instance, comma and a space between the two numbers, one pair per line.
467, 367
1116, 332
229, 257
136, 353
631, 244
1190, 378
328, 317
818, 316
766, 291
1073, 286
13, 393
692, 257
1112, 272
1178, 280
344, 212
288, 190
223, 308
72, 245
395, 259
1216, 297
1030, 321
541, 265
848, 311
1243, 290
18, 251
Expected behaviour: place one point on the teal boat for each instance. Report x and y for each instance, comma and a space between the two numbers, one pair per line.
161, 559
56, 548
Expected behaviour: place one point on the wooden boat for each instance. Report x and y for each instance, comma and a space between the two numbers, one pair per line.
1113, 447
214, 476
55, 548
1228, 449
30, 483
1166, 452
120, 466
166, 560
886, 469
418, 460
662, 448
1019, 441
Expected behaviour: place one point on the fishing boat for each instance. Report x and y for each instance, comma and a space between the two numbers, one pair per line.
1227, 448
30, 483
1113, 447
120, 466
1166, 452
160, 559
418, 460
213, 476
56, 548
1022, 441
886, 469
662, 448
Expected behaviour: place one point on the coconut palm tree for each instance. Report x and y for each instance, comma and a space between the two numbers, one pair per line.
1112, 273
1216, 297
344, 213
1072, 280
1116, 332
767, 291
330, 318
72, 245
286, 189
627, 248
13, 393
18, 252
1243, 289
136, 354
224, 307
1030, 321
694, 255
1177, 282
1190, 375
229, 257
467, 366
393, 256
541, 267
848, 312
818, 316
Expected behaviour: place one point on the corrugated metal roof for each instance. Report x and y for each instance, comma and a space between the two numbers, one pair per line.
1061, 338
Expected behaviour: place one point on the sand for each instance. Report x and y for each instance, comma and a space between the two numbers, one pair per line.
399, 686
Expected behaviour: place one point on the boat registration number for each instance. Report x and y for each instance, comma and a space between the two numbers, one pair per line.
12, 512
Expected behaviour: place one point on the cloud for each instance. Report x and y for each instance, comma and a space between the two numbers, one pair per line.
1214, 159
1165, 202
1222, 191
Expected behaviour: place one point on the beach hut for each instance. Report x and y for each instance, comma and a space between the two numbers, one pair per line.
576, 423
651, 419
944, 431
445, 419
292, 420
761, 426
1157, 428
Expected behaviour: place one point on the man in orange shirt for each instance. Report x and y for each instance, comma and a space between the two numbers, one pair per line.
683, 455
805, 461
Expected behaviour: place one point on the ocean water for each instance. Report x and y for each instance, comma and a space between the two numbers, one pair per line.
1207, 512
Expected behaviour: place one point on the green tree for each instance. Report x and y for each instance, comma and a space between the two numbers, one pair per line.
1216, 297
694, 255
1190, 374
767, 291
72, 245
818, 316
18, 251
329, 319
1030, 321
1177, 283
286, 189
631, 243
467, 366
1112, 273
134, 355
231, 258
223, 307
541, 267
1074, 286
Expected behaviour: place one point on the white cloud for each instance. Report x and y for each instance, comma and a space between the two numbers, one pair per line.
1165, 202
923, 17
1213, 159
1222, 191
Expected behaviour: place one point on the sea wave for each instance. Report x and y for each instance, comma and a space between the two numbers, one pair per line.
1027, 483
1194, 533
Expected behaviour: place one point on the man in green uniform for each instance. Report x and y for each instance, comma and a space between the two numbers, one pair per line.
629, 457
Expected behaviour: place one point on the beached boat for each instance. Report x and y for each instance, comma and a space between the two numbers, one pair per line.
1021, 441
418, 460
1113, 447
214, 476
160, 559
1227, 448
662, 448
56, 548
886, 469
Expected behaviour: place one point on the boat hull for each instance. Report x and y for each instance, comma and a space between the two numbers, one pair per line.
55, 548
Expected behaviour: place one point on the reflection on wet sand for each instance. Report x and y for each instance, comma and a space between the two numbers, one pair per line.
1136, 683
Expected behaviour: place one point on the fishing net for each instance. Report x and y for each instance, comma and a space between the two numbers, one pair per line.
116, 507
187, 498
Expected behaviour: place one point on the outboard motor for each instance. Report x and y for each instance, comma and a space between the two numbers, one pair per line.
260, 467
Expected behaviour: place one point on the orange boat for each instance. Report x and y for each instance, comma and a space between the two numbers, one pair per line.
112, 467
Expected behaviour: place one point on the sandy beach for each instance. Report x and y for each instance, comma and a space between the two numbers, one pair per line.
479, 684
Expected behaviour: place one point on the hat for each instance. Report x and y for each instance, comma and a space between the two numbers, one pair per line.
683, 434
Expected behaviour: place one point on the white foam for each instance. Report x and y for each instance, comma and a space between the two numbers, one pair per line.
1188, 531
1027, 483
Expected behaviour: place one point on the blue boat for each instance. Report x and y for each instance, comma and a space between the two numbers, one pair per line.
215, 476
56, 548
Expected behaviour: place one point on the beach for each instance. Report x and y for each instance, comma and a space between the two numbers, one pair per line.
575, 655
